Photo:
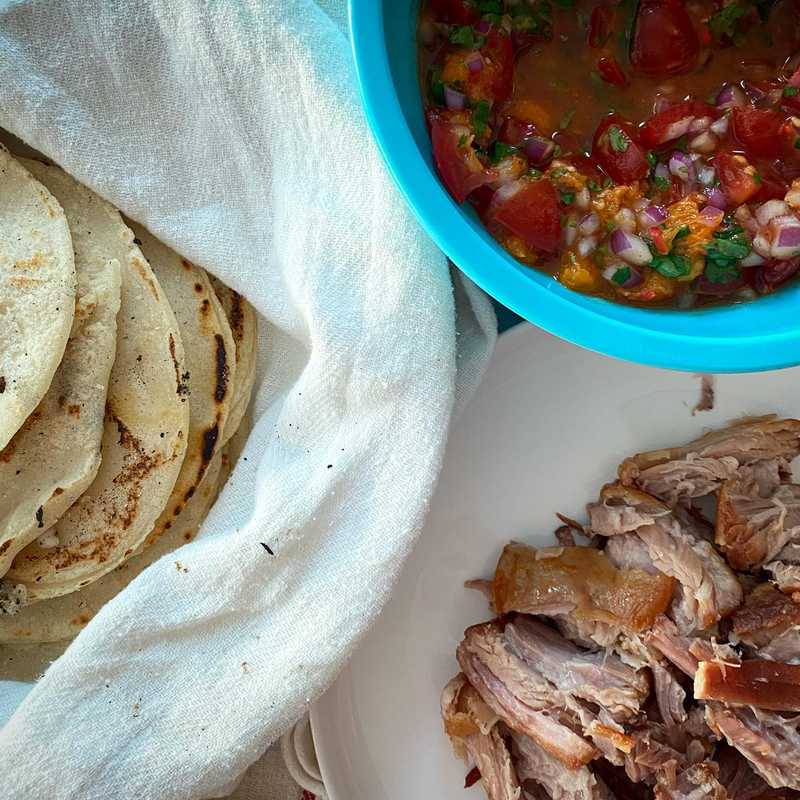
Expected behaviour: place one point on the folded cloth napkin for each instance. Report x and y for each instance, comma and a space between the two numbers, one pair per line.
233, 131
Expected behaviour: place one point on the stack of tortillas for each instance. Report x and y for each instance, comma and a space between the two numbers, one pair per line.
125, 372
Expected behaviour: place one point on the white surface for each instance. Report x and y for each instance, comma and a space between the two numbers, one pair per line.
548, 426
233, 131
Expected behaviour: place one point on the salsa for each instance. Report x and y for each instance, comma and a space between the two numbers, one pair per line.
646, 151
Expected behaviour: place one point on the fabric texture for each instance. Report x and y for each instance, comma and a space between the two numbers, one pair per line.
232, 130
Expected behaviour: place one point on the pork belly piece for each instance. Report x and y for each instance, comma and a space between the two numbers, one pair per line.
765, 615
536, 766
764, 684
519, 695
784, 647
695, 782
767, 740
670, 697
580, 582
686, 652
752, 529
709, 589
600, 678
697, 468
476, 738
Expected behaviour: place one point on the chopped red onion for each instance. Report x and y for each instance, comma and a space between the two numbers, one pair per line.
753, 260
483, 27
786, 243
453, 99
707, 175
587, 245
731, 96
704, 143
474, 62
720, 126
570, 232
699, 124
681, 166
652, 216
661, 104
745, 218
716, 198
711, 216
661, 171
589, 224
755, 94
626, 220
539, 150
630, 247
761, 245
769, 210
505, 192
583, 199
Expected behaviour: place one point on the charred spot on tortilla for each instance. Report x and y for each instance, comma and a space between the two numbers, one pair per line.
181, 380
5, 546
222, 371
198, 288
187, 265
40, 517
2, 384
209, 443
237, 316
57, 491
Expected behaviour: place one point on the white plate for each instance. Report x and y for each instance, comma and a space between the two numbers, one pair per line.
546, 429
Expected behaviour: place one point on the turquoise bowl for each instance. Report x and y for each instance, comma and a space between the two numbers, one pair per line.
747, 337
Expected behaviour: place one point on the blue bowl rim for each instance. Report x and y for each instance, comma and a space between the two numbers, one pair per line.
548, 305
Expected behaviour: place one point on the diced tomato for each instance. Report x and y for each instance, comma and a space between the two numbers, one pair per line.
618, 152
773, 184
611, 72
456, 12
737, 183
600, 26
481, 199
760, 131
665, 41
457, 162
514, 131
657, 236
532, 213
495, 81
674, 122
791, 103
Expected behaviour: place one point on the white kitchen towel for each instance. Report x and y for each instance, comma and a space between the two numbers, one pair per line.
233, 131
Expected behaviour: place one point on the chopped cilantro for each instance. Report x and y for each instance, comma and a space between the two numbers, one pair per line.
565, 3
567, 198
593, 185
558, 172
652, 159
662, 184
462, 140
621, 276
757, 178
502, 150
557, 150
791, 91
490, 6
464, 35
608, 183
725, 22
619, 139
682, 231
797, 144
535, 173
480, 117
566, 120
724, 252
682, 144
671, 265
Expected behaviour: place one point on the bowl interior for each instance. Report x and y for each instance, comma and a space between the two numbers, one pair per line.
763, 334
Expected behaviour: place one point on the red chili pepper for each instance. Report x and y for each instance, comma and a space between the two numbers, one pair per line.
473, 776
658, 240
611, 71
